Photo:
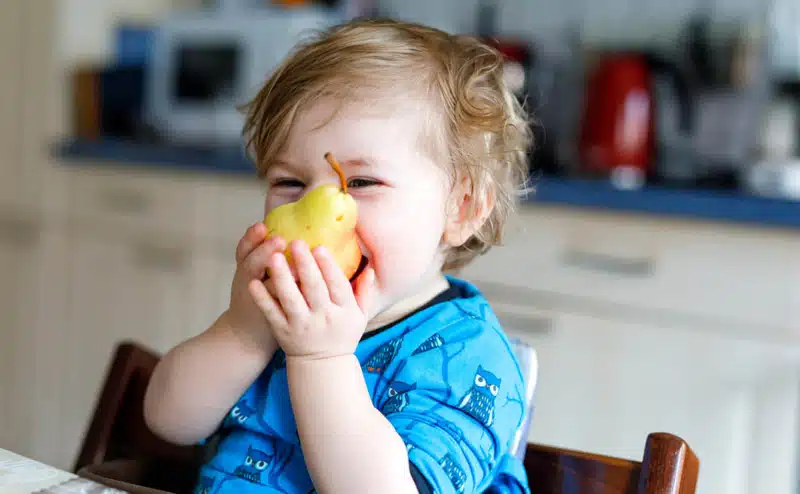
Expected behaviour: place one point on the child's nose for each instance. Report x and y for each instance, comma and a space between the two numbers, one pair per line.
333, 180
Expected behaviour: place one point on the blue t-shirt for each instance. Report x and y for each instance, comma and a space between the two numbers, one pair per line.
445, 377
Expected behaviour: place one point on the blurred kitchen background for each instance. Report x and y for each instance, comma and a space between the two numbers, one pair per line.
656, 268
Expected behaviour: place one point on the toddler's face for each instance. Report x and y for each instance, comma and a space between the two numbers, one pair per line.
401, 193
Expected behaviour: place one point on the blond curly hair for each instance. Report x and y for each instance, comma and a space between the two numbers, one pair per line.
478, 128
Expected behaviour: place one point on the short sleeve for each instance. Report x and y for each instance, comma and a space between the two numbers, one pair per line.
457, 402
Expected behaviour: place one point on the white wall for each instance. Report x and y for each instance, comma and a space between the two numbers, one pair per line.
602, 19
86, 27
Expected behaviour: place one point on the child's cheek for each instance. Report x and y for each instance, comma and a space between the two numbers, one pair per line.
365, 238
275, 199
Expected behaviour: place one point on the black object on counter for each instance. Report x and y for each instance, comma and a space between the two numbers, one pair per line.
121, 95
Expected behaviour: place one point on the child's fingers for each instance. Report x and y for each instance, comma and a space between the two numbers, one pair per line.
255, 264
312, 285
251, 239
341, 293
269, 307
288, 295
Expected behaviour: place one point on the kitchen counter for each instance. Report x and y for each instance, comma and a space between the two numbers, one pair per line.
686, 203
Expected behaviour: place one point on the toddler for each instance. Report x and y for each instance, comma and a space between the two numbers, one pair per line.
400, 380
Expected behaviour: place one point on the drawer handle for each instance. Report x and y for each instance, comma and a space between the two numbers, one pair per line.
125, 201
606, 263
525, 324
526, 318
18, 231
161, 258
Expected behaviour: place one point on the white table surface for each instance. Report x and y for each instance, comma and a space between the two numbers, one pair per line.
21, 475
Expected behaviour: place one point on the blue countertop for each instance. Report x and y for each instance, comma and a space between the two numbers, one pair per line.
725, 206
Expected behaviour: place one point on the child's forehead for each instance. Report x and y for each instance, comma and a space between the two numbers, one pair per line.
364, 130
366, 110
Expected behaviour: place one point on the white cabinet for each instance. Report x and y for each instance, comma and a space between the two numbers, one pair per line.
19, 259
33, 296
122, 200
41, 346
29, 85
645, 325
149, 267
741, 281
144, 262
131, 287
17, 184
226, 207
605, 384
32, 254
211, 278
606, 381
133, 256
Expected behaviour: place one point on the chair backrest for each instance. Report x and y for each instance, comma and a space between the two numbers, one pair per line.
117, 429
529, 365
668, 466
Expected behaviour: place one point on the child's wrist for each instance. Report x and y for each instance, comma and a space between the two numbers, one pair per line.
256, 341
321, 362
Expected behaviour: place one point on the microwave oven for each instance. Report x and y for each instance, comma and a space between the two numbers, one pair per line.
204, 64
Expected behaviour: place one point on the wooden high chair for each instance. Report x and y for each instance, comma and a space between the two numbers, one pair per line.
118, 445
120, 451
668, 466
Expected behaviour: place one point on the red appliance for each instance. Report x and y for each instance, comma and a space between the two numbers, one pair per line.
619, 128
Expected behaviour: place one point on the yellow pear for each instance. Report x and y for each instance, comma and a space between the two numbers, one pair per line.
325, 216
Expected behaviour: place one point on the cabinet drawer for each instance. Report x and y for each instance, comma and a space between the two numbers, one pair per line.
676, 272
131, 201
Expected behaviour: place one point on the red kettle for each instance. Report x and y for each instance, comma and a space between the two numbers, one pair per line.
619, 126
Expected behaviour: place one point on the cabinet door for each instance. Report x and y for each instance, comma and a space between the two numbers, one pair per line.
43, 358
19, 243
12, 177
136, 288
212, 278
46, 110
604, 385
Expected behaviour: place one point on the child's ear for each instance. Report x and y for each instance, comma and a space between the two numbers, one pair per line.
468, 208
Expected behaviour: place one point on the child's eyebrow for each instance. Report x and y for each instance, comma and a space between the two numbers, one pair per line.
359, 162
287, 166
281, 163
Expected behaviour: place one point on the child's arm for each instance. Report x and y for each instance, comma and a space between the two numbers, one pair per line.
197, 382
457, 423
348, 445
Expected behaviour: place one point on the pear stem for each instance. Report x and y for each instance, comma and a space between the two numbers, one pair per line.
338, 169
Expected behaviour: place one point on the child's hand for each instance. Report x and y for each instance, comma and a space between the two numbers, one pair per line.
252, 256
322, 317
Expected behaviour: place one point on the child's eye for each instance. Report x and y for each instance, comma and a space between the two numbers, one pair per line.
288, 182
361, 182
